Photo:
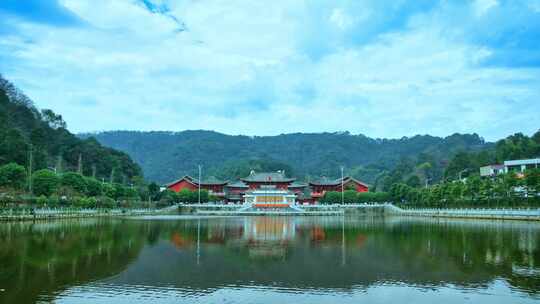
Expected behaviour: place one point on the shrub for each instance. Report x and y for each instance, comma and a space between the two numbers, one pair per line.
349, 196
74, 181
45, 182
93, 187
332, 197
13, 176
130, 193
106, 202
85, 202
54, 200
373, 197
42, 200
109, 191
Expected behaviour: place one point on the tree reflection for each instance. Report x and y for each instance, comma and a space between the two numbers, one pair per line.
40, 260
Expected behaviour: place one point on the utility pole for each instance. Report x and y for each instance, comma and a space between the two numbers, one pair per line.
111, 178
461, 172
59, 164
30, 164
199, 184
79, 164
342, 192
94, 170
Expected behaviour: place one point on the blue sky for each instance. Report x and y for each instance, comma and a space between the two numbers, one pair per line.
381, 68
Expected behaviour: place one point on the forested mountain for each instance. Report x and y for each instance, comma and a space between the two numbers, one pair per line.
165, 156
27, 133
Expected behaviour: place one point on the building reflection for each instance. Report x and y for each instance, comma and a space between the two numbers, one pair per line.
268, 237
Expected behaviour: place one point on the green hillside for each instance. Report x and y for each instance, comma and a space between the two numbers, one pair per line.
26, 132
165, 156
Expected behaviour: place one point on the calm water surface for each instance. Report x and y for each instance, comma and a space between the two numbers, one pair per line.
270, 260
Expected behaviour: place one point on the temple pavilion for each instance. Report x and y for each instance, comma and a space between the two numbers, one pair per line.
265, 188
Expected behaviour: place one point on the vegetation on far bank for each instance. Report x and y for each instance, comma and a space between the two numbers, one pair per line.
426, 170
502, 191
48, 188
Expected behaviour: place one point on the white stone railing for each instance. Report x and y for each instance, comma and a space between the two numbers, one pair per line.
474, 212
42, 213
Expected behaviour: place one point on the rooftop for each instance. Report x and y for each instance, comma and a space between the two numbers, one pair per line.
325, 181
334, 182
212, 180
297, 185
517, 162
238, 184
276, 177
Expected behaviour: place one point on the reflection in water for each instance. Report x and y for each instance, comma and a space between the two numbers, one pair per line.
269, 259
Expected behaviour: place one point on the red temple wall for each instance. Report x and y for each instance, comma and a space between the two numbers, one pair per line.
181, 185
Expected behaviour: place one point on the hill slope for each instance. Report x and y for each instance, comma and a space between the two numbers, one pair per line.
23, 129
165, 156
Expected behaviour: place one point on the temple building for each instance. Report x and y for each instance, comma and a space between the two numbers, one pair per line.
319, 188
268, 188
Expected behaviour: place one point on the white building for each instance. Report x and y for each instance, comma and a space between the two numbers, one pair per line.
268, 196
491, 170
517, 166
521, 165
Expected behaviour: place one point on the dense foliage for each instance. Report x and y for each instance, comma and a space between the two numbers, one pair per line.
508, 190
425, 170
187, 196
353, 197
69, 189
12, 176
164, 156
28, 135
517, 146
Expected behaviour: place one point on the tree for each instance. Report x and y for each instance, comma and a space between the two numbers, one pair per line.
461, 161
349, 197
53, 120
532, 180
13, 176
74, 181
510, 181
170, 197
413, 181
119, 191
154, 191
93, 187
473, 186
332, 197
188, 196
131, 193
45, 182
109, 191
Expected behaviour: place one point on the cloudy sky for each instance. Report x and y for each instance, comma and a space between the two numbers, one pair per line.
381, 68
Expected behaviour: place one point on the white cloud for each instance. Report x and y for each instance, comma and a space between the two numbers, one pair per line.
341, 19
242, 68
481, 7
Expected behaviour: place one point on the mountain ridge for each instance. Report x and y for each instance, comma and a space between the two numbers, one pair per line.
166, 155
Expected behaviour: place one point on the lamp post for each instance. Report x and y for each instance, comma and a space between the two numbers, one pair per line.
199, 184
427, 181
342, 193
461, 172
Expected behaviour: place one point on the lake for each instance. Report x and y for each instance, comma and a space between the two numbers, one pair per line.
270, 260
